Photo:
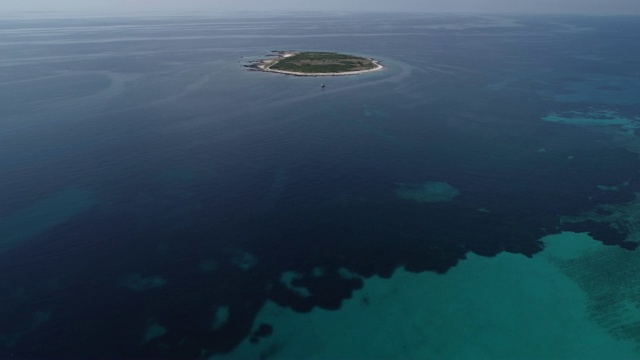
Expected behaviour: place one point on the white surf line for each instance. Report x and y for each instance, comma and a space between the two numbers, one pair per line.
266, 66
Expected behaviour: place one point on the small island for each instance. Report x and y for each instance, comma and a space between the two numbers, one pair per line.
311, 63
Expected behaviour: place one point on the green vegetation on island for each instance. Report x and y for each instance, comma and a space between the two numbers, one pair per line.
322, 62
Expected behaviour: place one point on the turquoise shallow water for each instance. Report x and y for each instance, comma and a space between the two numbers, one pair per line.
475, 199
543, 307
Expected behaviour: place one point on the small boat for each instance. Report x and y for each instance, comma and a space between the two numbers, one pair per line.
322, 86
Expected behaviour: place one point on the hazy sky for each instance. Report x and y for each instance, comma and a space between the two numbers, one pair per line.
469, 6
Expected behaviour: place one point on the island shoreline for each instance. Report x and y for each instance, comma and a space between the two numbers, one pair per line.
266, 64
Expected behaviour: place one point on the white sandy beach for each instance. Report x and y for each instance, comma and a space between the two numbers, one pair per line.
266, 66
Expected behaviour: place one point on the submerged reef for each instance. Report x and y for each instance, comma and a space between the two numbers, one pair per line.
429, 192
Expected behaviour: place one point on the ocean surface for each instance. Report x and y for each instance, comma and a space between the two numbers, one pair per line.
476, 199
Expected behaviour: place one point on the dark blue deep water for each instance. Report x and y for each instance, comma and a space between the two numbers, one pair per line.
154, 190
